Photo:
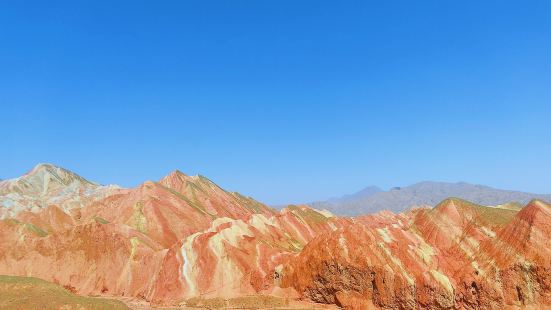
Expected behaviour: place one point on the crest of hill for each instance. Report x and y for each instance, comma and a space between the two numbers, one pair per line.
527, 233
202, 190
494, 216
46, 185
537, 213
43, 179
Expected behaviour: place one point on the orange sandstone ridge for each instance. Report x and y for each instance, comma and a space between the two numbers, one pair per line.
455, 256
182, 238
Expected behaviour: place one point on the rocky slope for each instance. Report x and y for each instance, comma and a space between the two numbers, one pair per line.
46, 185
238, 257
457, 255
184, 240
164, 241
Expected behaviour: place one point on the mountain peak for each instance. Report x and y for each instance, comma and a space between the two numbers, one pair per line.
175, 174
44, 166
536, 212
43, 178
175, 179
369, 190
178, 180
47, 167
454, 207
454, 201
45, 185
45, 172
539, 203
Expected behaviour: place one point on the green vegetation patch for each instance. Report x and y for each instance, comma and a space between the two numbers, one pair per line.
36, 230
251, 204
199, 187
11, 221
193, 204
496, 216
138, 220
295, 245
29, 227
460, 203
100, 220
309, 215
32, 293
490, 215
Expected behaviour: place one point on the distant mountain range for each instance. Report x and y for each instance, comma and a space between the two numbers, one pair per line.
373, 199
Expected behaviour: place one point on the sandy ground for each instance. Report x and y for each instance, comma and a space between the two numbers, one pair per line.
291, 305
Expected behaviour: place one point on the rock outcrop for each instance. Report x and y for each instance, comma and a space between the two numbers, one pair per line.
457, 255
184, 238
164, 241
47, 185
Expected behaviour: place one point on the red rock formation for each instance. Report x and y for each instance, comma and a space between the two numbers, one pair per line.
173, 208
457, 255
235, 257
164, 241
186, 237
89, 259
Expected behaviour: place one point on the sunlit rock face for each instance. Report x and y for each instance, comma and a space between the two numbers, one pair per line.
93, 258
456, 255
164, 241
173, 208
184, 237
46, 185
239, 257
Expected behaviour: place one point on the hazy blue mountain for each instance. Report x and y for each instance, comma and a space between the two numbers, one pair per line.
366, 192
397, 199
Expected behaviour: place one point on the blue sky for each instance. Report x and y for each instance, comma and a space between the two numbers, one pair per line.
286, 101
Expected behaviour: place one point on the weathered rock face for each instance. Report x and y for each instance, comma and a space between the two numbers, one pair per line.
47, 185
88, 259
173, 208
457, 255
163, 241
186, 237
235, 257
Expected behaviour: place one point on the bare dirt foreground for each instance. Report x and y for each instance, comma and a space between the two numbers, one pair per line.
23, 293
32, 293
244, 302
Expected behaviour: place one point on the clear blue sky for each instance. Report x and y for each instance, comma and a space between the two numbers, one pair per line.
286, 101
